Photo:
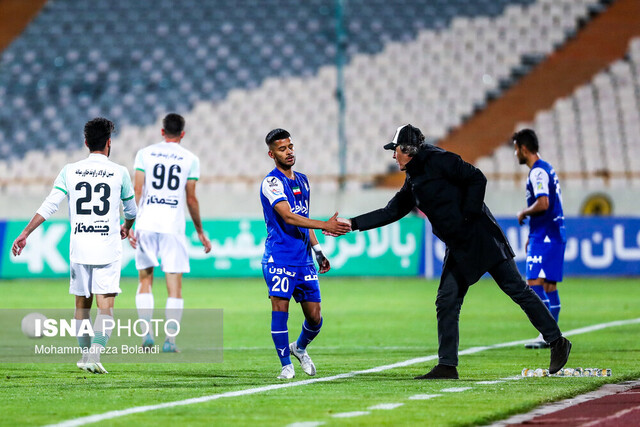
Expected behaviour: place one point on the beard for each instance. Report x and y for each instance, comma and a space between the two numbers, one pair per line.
286, 166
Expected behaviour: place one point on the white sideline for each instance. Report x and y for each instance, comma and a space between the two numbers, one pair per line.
139, 409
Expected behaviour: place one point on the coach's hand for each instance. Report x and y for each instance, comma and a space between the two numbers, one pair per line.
336, 226
205, 242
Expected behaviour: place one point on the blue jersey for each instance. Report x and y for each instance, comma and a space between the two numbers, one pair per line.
548, 226
286, 244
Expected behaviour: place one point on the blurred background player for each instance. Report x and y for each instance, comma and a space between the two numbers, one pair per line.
287, 264
94, 188
547, 237
165, 178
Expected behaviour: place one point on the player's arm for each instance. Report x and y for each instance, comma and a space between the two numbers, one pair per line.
194, 210
323, 262
332, 225
539, 206
48, 208
138, 183
539, 179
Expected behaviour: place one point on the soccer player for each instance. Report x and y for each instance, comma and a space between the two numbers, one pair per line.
165, 179
547, 237
287, 264
94, 188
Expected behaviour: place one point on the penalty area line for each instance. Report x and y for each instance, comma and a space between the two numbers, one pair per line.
147, 408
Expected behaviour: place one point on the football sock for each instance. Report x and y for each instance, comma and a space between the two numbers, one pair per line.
554, 304
144, 305
84, 340
539, 290
173, 316
102, 328
280, 335
308, 333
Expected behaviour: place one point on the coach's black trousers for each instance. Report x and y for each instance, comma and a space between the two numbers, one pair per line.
451, 294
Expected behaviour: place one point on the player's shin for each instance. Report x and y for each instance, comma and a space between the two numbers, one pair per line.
173, 317
102, 328
280, 335
308, 333
144, 305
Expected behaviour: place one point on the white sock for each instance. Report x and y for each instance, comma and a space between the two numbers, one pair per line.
102, 328
84, 340
144, 304
173, 312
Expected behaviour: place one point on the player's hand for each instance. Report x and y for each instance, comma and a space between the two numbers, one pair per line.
343, 220
337, 226
521, 217
205, 242
323, 263
132, 239
124, 232
18, 245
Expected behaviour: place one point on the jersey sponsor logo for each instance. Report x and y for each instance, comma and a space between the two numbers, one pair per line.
310, 277
534, 259
539, 185
274, 270
272, 181
301, 208
81, 228
171, 156
153, 200
276, 191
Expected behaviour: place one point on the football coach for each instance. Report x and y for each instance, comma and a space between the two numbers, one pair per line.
450, 192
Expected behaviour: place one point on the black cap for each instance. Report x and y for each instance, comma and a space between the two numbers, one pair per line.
405, 135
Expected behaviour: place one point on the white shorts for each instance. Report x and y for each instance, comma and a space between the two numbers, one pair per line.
87, 279
170, 248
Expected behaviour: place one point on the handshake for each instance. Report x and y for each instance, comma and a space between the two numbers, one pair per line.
336, 226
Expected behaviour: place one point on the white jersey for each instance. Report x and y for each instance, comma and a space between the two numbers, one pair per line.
167, 167
94, 188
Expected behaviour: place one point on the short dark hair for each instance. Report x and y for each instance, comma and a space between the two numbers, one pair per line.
97, 132
528, 138
276, 135
173, 124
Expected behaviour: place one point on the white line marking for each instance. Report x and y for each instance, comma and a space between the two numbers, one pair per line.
385, 406
423, 396
350, 414
603, 391
455, 389
140, 409
490, 382
611, 419
307, 424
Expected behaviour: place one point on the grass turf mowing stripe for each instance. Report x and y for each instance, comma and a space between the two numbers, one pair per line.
139, 409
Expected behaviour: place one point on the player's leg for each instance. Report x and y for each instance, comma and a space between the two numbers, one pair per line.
280, 288
307, 293
145, 303
551, 288
83, 314
449, 300
146, 260
175, 262
173, 311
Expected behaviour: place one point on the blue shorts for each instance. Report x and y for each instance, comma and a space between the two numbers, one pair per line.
285, 281
545, 261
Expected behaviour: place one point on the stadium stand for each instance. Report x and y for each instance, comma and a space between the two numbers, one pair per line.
237, 70
591, 137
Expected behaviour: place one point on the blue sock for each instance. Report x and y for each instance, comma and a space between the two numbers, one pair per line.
554, 304
539, 290
309, 332
280, 335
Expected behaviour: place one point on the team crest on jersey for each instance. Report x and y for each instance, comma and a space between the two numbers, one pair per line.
272, 181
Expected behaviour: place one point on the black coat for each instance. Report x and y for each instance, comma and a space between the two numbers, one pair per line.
450, 192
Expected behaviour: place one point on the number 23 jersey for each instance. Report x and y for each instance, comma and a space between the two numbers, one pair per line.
95, 187
167, 167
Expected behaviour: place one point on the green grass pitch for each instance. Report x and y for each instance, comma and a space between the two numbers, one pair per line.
368, 323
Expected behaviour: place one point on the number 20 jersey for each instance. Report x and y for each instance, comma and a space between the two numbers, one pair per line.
95, 187
167, 167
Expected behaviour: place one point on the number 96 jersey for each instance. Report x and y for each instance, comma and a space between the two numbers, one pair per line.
95, 187
167, 167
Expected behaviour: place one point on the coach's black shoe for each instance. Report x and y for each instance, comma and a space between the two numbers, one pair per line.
440, 372
560, 350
